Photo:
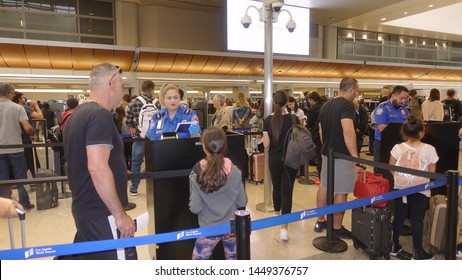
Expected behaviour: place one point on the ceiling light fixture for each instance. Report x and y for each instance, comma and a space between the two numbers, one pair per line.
430, 6
383, 19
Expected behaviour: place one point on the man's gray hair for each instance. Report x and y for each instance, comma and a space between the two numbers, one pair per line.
100, 73
5, 89
347, 83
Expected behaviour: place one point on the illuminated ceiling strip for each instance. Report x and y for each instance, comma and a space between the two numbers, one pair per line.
28, 76
51, 90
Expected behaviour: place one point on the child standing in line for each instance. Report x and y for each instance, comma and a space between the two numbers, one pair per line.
412, 154
216, 192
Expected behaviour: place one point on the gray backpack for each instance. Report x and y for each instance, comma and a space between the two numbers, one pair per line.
298, 146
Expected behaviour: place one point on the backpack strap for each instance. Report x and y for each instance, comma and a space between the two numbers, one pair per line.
141, 98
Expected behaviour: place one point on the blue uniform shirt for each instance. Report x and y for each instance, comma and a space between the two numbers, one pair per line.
386, 114
160, 122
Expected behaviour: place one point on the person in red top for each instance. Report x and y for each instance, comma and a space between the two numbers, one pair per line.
72, 104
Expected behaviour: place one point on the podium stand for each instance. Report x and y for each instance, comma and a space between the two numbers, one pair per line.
168, 193
444, 136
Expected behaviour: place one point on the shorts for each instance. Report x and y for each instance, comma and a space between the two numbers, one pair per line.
345, 175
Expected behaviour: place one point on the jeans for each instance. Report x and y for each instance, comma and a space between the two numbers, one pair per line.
137, 160
17, 162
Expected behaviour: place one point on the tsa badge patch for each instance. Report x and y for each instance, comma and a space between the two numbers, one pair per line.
379, 111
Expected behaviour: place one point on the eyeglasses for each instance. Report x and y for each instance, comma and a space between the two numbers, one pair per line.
119, 71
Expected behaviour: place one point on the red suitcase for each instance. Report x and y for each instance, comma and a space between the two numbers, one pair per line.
369, 184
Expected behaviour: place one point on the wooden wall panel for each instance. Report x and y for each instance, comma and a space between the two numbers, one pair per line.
82, 58
124, 59
241, 65
212, 65
103, 56
14, 55
164, 62
146, 61
227, 65
181, 63
60, 58
38, 56
197, 64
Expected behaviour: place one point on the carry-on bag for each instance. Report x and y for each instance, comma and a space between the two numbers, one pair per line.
22, 217
436, 217
371, 230
370, 184
47, 193
256, 167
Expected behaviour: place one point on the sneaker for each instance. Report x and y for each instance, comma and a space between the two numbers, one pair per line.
284, 234
130, 206
459, 251
133, 193
31, 206
395, 249
342, 233
320, 226
420, 254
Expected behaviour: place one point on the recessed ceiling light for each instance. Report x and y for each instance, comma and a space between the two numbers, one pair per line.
384, 18
405, 13
430, 6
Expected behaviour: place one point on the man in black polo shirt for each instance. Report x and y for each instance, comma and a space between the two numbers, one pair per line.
96, 165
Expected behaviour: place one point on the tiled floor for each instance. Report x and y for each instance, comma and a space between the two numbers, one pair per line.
56, 226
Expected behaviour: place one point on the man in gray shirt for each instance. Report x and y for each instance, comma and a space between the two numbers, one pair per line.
12, 116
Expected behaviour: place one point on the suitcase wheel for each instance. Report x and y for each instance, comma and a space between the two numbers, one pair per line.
355, 244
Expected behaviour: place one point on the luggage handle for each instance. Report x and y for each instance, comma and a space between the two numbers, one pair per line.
22, 217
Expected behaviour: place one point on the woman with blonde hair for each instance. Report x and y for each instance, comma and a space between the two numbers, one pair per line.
242, 113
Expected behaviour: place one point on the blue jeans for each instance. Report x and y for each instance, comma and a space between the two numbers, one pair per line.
17, 162
137, 160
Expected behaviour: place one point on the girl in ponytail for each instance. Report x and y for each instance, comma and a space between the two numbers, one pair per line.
216, 192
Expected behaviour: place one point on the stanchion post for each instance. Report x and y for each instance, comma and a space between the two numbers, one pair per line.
451, 215
330, 192
242, 224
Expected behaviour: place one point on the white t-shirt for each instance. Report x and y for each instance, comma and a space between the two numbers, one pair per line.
427, 152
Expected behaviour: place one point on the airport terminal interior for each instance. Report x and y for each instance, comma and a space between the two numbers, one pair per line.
48, 49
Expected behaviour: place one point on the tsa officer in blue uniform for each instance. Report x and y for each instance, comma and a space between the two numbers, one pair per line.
171, 114
391, 111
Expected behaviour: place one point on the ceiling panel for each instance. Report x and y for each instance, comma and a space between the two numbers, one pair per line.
242, 64
181, 63
82, 58
60, 58
212, 65
124, 59
14, 55
38, 56
197, 64
164, 62
146, 61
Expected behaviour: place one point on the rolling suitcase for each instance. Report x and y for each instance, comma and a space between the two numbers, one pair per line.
22, 217
256, 167
47, 193
371, 230
436, 216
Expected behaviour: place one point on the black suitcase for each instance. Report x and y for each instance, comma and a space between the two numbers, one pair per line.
47, 193
371, 230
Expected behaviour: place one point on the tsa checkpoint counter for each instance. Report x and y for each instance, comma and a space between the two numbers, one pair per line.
168, 197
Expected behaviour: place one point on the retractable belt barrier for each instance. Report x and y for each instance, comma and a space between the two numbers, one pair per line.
94, 246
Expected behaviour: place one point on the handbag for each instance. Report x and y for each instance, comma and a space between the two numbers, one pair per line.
370, 184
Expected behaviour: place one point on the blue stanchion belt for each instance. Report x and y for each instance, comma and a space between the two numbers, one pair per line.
94, 246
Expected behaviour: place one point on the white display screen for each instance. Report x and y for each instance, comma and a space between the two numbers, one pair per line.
252, 39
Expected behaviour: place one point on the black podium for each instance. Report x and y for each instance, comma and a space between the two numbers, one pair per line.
168, 193
444, 136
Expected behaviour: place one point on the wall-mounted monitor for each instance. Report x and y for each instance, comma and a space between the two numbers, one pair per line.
252, 39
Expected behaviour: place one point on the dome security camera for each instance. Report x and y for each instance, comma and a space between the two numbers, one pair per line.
277, 6
291, 25
246, 21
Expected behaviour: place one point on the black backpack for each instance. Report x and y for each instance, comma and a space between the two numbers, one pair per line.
449, 113
298, 146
